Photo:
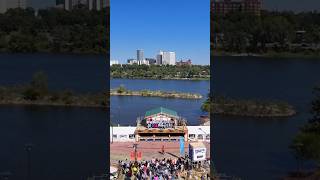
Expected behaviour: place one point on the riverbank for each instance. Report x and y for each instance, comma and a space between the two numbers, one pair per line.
164, 78
309, 175
122, 91
160, 72
24, 95
248, 108
272, 54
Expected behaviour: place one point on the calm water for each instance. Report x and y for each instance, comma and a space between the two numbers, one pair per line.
258, 148
68, 143
135, 106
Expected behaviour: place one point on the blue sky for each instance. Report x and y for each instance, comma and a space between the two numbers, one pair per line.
182, 26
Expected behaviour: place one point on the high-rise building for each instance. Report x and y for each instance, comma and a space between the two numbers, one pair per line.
114, 62
11, 4
59, 2
223, 7
68, 5
96, 4
90, 4
159, 58
169, 58
140, 55
3, 6
151, 60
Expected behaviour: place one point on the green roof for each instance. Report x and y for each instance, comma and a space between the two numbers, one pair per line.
161, 110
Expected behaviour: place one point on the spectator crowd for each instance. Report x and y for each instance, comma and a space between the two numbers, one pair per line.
159, 169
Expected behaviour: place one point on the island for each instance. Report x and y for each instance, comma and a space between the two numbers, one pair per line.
247, 107
122, 91
37, 93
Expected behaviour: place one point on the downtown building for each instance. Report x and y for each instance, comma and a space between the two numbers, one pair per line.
11, 4
166, 58
223, 7
90, 4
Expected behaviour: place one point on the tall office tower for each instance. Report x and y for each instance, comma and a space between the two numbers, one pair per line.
159, 58
90, 4
59, 2
3, 6
20, 4
11, 4
98, 5
68, 5
169, 58
140, 55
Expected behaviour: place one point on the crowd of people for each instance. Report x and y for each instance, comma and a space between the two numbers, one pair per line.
158, 169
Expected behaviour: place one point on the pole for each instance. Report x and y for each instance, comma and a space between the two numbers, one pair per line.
112, 133
135, 152
28, 148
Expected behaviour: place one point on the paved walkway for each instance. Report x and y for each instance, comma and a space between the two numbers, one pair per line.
121, 150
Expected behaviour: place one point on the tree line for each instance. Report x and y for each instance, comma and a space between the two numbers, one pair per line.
241, 32
54, 30
160, 71
36, 92
306, 144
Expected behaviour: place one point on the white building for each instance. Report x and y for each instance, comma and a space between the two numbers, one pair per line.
199, 133
143, 62
68, 5
132, 61
166, 57
96, 4
112, 62
159, 58
3, 6
122, 134
140, 55
8, 4
127, 134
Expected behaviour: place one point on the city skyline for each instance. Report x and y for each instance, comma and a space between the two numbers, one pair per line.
161, 58
296, 5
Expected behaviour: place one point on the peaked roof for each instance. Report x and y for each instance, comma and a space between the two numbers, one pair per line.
161, 110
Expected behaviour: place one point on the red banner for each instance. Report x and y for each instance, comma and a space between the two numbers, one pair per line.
139, 156
132, 156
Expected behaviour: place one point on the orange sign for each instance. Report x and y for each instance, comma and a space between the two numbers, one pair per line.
132, 156
139, 156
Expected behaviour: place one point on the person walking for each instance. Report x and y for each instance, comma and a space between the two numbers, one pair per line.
162, 149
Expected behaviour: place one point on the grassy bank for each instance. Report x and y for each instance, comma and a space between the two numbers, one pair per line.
37, 93
23, 95
271, 54
160, 72
122, 91
249, 108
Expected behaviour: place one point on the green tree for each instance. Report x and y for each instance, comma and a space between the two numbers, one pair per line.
121, 89
306, 145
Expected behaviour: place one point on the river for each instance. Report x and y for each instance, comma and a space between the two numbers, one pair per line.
252, 148
135, 106
68, 143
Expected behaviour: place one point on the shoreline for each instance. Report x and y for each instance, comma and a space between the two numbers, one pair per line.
249, 108
282, 55
177, 79
45, 104
121, 91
